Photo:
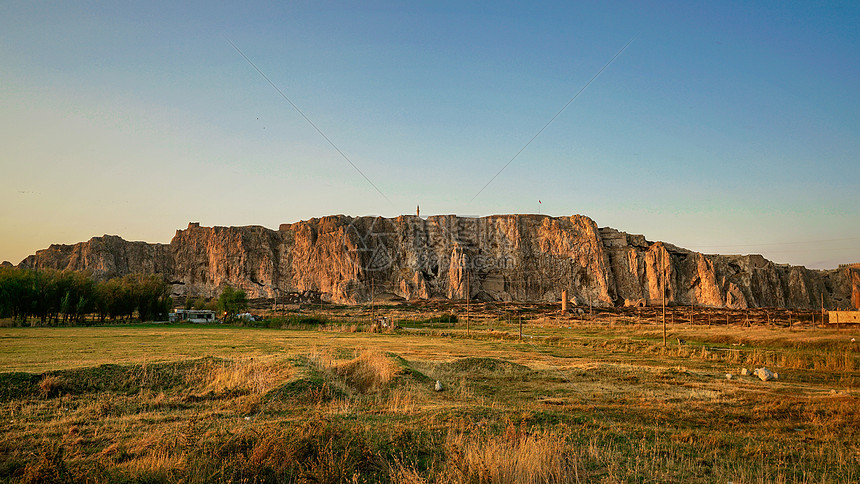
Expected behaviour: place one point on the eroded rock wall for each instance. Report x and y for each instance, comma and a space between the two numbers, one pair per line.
105, 257
504, 257
205, 259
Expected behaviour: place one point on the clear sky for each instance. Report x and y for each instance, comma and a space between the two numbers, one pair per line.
724, 127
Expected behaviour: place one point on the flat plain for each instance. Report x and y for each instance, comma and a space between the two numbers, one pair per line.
343, 400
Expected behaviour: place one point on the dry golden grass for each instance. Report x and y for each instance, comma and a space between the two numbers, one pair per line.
589, 404
400, 401
50, 385
515, 456
366, 372
249, 375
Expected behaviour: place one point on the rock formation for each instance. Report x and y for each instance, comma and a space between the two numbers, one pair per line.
504, 257
105, 256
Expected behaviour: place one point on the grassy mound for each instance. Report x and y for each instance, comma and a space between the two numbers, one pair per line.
485, 365
123, 379
197, 379
18, 385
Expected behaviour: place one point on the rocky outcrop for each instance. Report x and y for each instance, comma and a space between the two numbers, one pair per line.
733, 281
503, 257
205, 259
105, 257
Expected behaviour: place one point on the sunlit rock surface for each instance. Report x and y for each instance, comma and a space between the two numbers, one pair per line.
503, 257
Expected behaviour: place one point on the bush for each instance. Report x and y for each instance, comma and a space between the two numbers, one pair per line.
50, 386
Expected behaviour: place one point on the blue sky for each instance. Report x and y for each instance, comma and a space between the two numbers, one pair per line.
724, 127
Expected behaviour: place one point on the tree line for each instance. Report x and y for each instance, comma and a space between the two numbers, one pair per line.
66, 297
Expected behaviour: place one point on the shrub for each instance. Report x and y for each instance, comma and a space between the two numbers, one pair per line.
50, 386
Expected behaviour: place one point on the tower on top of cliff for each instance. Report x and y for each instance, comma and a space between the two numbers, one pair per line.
193, 225
418, 211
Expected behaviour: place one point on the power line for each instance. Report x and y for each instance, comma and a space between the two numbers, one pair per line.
308, 120
553, 118
794, 251
780, 243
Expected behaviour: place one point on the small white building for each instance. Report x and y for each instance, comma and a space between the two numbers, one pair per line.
192, 316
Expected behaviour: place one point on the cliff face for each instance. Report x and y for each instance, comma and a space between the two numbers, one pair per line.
733, 281
507, 257
107, 256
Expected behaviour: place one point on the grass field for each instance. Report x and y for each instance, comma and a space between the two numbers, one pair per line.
570, 402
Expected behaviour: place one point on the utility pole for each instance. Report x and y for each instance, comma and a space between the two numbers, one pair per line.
663, 289
822, 310
590, 314
468, 299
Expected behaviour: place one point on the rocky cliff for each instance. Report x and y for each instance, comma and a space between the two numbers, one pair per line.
505, 257
105, 256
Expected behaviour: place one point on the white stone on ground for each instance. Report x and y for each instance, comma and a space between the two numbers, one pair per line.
764, 374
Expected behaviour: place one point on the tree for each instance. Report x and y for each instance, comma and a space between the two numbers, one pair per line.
231, 301
48, 294
16, 293
203, 303
66, 306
